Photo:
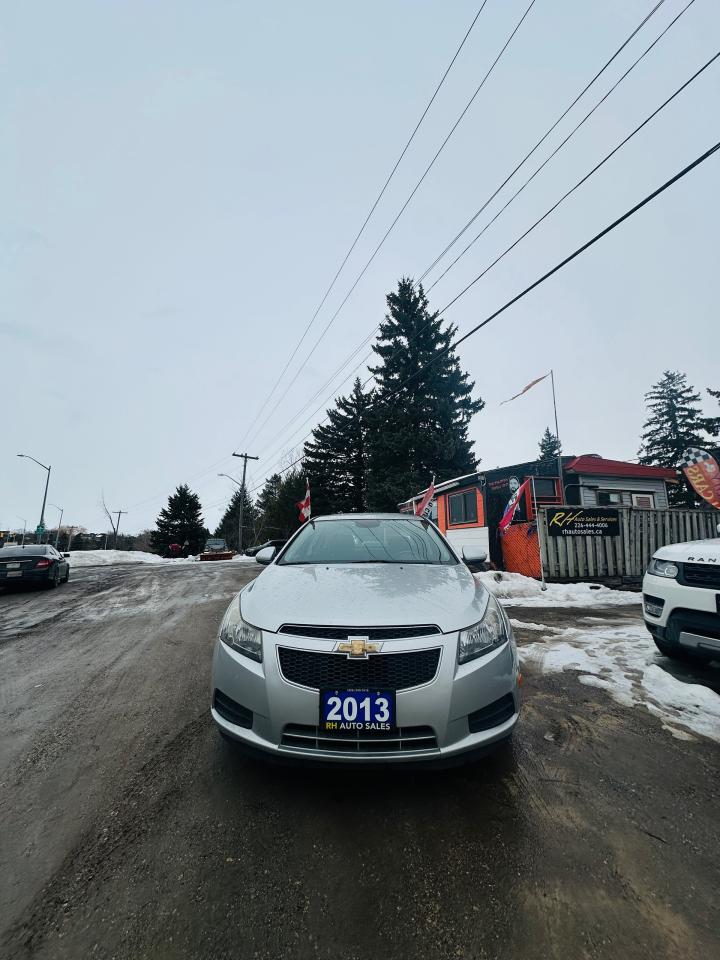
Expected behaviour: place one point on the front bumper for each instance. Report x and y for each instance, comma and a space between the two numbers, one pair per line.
682, 616
281, 718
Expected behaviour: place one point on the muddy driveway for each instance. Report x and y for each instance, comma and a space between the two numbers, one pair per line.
130, 830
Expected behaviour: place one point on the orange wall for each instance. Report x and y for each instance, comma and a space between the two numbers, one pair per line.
444, 512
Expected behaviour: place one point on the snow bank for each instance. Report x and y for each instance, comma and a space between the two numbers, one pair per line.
623, 660
518, 591
94, 558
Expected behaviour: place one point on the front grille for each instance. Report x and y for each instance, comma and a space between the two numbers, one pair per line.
400, 740
381, 671
374, 634
497, 712
232, 711
701, 575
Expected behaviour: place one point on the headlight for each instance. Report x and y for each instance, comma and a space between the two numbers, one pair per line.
485, 636
239, 635
663, 568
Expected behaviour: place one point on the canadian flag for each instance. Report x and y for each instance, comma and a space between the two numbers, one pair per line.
511, 508
304, 505
424, 507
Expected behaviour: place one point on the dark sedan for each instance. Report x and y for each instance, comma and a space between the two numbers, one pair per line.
33, 563
251, 551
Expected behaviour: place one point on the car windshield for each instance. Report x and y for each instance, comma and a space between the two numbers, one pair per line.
368, 540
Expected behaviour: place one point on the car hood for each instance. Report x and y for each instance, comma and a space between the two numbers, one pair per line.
364, 595
695, 551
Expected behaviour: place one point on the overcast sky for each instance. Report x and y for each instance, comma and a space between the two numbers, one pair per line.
179, 182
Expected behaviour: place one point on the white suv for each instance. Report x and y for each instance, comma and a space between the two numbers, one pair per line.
681, 599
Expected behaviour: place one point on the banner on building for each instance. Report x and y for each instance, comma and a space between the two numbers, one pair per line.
512, 506
583, 522
703, 475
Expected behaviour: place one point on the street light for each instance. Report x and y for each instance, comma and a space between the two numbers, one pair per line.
240, 515
57, 535
41, 525
22, 542
230, 478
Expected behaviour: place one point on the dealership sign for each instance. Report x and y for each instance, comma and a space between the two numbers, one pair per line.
583, 522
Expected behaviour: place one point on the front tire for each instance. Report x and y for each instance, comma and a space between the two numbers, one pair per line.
674, 653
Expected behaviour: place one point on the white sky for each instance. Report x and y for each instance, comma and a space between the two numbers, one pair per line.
180, 180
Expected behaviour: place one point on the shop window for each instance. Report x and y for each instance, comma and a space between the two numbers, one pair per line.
544, 488
609, 498
463, 507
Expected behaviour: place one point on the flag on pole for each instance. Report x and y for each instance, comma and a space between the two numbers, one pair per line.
525, 389
304, 505
424, 508
703, 474
511, 508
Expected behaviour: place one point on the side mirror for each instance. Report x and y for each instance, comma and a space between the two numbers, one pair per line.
265, 556
474, 555
66, 555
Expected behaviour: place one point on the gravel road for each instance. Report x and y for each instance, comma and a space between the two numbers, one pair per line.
129, 829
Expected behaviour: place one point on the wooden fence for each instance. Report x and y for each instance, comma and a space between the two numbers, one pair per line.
626, 556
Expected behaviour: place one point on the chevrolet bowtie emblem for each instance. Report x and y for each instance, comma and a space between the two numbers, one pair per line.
358, 647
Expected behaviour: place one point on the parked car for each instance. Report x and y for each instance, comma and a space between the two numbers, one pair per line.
252, 551
681, 599
366, 639
33, 563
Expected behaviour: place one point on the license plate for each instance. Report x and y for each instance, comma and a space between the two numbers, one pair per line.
346, 710
14, 573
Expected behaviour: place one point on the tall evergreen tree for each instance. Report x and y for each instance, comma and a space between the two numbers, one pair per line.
181, 520
228, 527
675, 422
420, 414
716, 420
336, 458
277, 504
550, 447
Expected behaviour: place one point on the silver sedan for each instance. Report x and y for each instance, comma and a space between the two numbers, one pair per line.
366, 639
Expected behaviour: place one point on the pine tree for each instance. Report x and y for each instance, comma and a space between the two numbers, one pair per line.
181, 520
277, 504
228, 527
420, 414
336, 458
550, 447
675, 422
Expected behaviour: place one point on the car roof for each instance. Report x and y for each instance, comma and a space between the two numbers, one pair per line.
367, 516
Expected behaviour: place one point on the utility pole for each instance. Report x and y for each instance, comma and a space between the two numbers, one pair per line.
41, 526
245, 457
57, 533
117, 525
557, 437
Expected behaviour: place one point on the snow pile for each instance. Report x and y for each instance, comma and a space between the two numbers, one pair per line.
518, 591
94, 558
623, 660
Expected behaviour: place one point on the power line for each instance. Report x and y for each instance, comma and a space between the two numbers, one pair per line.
549, 131
547, 159
599, 73
399, 214
561, 200
546, 276
587, 176
371, 211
